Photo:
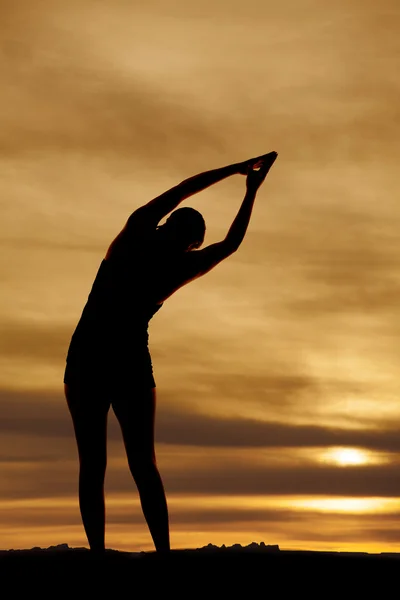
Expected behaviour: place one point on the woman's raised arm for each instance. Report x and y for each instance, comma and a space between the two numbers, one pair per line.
160, 206
202, 261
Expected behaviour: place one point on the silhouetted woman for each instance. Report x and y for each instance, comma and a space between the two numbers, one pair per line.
108, 360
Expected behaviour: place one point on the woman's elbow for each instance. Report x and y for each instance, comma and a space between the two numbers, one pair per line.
231, 245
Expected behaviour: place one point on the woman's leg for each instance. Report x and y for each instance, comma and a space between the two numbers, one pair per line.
89, 415
136, 414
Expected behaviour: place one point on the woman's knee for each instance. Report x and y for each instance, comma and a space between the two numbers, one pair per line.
142, 466
93, 468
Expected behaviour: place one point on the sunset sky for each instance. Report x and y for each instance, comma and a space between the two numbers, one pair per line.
278, 377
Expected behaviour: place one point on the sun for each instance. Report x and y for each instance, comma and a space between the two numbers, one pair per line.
345, 457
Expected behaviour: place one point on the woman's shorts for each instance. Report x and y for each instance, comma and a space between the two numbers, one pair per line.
112, 373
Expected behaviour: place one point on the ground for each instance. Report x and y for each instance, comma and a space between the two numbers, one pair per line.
210, 572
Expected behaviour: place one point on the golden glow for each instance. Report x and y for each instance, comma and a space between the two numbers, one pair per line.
182, 502
129, 532
347, 505
322, 503
345, 457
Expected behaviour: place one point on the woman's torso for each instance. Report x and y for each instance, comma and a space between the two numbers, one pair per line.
122, 300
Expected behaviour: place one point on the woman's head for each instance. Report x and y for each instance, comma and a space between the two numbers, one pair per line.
185, 228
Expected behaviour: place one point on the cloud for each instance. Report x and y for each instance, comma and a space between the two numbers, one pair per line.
75, 83
369, 481
272, 526
63, 97
229, 376
39, 458
201, 430
212, 476
35, 341
44, 415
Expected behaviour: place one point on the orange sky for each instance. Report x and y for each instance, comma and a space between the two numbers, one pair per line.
284, 355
